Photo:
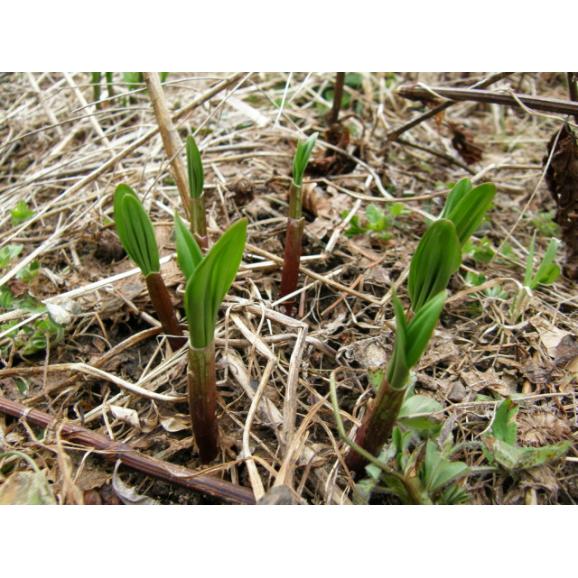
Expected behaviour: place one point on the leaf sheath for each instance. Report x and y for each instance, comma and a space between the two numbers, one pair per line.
202, 383
377, 425
291, 259
163, 305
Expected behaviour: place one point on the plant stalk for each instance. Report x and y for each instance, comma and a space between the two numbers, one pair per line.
163, 305
337, 97
377, 425
202, 383
291, 259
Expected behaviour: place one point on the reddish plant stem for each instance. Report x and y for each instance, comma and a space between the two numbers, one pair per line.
292, 257
202, 381
163, 305
337, 97
377, 425
130, 457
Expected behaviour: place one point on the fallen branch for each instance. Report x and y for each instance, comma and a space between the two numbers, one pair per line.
396, 133
130, 457
540, 103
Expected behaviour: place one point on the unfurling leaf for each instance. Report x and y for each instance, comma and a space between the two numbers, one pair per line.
301, 159
437, 258
194, 168
210, 281
135, 230
466, 207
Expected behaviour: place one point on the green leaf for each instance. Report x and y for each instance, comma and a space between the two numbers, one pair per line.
419, 404
194, 168
438, 471
135, 230
514, 458
548, 272
421, 327
189, 254
458, 192
398, 369
466, 207
437, 258
20, 213
376, 219
504, 425
210, 282
8, 253
301, 159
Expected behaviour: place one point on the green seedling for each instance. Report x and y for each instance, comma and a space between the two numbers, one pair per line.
546, 274
501, 444
196, 190
545, 224
481, 252
427, 469
137, 236
43, 332
20, 213
422, 475
437, 258
412, 337
376, 222
208, 279
295, 223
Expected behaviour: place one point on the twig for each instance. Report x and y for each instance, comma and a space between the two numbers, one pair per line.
541, 103
130, 457
395, 134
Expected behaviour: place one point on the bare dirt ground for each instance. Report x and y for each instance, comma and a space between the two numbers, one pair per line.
80, 341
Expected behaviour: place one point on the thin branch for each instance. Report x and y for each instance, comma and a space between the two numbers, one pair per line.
538, 103
130, 457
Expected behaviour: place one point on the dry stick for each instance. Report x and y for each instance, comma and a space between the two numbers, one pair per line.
337, 97
206, 96
170, 136
396, 133
130, 457
541, 103
573, 89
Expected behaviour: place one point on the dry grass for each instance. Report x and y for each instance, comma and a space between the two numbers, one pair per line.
114, 374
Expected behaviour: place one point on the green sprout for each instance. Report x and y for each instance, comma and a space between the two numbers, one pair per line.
502, 443
20, 213
196, 190
208, 279
137, 236
437, 257
295, 222
546, 274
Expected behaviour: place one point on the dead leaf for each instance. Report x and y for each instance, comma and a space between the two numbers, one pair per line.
125, 414
128, 495
27, 488
463, 142
175, 423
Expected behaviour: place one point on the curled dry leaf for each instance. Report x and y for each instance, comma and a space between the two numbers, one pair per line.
463, 142
128, 495
125, 414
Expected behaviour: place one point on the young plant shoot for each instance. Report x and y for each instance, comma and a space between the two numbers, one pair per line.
208, 279
295, 223
138, 239
437, 258
196, 184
